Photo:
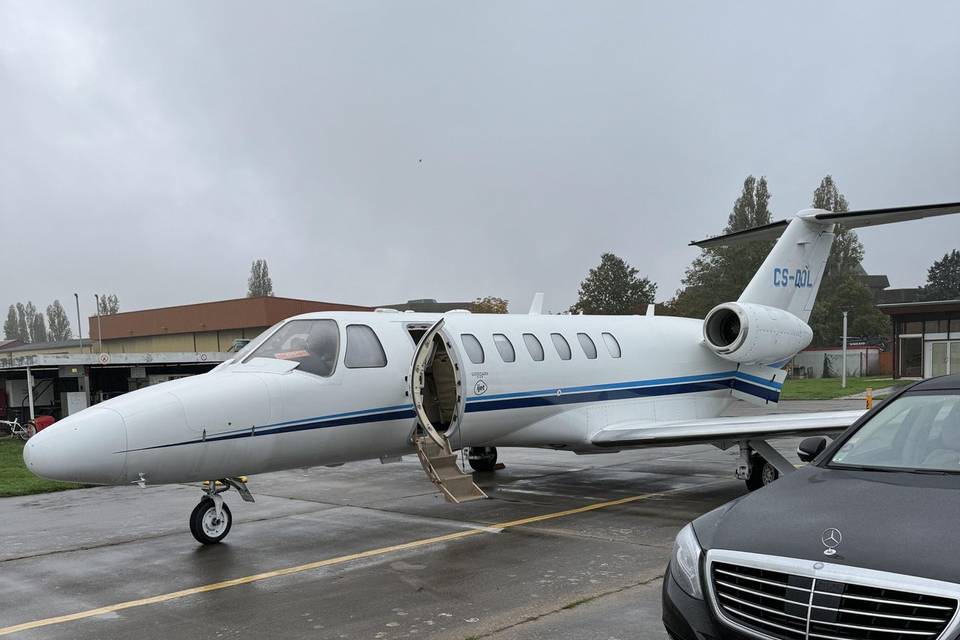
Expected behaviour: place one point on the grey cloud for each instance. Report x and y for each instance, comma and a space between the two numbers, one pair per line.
377, 151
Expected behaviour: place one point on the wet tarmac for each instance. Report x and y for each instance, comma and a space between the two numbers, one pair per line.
566, 547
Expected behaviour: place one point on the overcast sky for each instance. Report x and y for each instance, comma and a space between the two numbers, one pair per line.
378, 151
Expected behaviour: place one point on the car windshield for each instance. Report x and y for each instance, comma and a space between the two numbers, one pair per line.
916, 432
312, 343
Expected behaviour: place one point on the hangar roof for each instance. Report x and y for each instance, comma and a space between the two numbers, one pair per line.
935, 306
239, 313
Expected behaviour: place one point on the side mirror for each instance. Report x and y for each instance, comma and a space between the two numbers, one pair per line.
810, 448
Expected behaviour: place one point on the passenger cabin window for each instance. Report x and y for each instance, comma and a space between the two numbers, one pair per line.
563, 347
534, 348
589, 349
612, 345
312, 343
364, 350
473, 348
505, 347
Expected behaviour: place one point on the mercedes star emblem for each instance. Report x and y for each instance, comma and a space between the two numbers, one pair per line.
831, 539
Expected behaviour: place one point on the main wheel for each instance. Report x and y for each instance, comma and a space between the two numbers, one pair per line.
762, 473
482, 458
205, 526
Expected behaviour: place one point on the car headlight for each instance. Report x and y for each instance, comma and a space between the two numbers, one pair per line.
685, 562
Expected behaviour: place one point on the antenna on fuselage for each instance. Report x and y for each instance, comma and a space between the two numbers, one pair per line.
536, 307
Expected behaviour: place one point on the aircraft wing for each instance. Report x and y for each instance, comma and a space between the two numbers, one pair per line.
711, 430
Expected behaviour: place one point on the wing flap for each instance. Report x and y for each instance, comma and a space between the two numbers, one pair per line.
710, 430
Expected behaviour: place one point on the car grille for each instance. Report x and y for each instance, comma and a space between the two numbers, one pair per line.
798, 607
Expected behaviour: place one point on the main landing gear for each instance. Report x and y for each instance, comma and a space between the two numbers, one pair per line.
760, 464
211, 519
482, 458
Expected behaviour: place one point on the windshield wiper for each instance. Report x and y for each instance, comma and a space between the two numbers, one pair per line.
928, 472
933, 472
854, 467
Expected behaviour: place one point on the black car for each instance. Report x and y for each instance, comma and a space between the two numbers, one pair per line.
863, 543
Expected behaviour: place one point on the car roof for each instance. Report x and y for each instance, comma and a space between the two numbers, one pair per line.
937, 384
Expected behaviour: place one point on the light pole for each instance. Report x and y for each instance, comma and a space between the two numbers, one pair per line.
843, 382
99, 332
79, 326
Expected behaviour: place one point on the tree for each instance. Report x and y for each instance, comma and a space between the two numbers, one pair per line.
10, 325
38, 329
259, 282
841, 288
943, 278
720, 274
490, 304
58, 322
23, 329
613, 288
107, 305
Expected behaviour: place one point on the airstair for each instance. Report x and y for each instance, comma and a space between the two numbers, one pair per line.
433, 447
440, 465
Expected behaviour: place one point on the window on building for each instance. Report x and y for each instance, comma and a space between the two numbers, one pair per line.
312, 343
911, 327
505, 347
612, 345
473, 347
364, 350
534, 348
935, 326
911, 357
586, 343
562, 346
955, 328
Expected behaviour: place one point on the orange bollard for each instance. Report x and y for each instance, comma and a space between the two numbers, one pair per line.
869, 398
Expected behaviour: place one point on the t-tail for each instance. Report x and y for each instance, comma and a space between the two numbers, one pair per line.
767, 325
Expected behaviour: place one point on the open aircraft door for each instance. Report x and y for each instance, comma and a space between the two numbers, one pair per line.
438, 399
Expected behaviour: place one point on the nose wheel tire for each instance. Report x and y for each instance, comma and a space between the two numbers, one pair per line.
482, 458
762, 473
206, 526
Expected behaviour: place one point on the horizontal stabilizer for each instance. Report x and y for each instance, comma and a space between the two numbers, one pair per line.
713, 430
848, 220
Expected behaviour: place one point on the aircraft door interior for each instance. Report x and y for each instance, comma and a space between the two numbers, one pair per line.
436, 380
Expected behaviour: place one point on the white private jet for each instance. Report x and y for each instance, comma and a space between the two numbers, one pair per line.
329, 388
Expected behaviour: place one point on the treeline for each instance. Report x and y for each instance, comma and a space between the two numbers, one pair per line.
27, 324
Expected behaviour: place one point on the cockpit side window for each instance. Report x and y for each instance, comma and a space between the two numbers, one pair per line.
364, 350
312, 343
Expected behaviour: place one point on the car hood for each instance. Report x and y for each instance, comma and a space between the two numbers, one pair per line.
897, 522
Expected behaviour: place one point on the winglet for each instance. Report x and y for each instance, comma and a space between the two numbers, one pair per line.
651, 309
536, 307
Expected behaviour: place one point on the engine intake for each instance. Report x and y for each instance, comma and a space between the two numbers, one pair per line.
754, 333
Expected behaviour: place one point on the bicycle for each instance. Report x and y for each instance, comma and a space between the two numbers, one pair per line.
23, 431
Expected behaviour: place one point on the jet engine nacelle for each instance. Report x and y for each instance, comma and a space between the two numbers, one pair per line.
754, 333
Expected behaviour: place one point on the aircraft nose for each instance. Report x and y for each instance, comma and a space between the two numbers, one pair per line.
87, 447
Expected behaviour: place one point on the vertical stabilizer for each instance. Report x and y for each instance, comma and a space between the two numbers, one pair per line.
790, 276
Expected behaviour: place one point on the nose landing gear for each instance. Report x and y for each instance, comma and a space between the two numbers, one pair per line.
211, 519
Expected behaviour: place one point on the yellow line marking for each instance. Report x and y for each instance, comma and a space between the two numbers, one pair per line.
216, 586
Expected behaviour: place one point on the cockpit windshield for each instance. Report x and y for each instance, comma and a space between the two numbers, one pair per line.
312, 343
915, 432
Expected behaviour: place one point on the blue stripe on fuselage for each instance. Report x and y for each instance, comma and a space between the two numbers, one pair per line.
759, 387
